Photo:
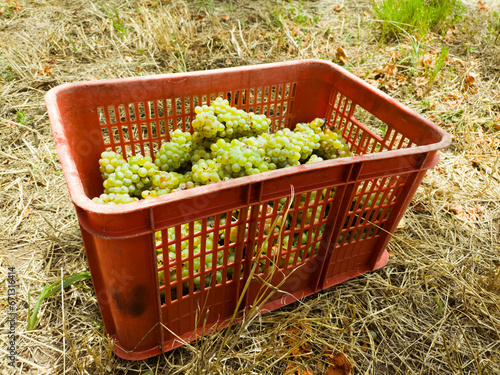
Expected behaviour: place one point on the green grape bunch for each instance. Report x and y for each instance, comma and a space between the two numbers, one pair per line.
226, 143
108, 162
130, 177
177, 153
220, 120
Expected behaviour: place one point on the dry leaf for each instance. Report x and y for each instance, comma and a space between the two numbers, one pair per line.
225, 17
45, 71
292, 331
452, 96
401, 79
339, 365
341, 56
338, 8
26, 211
474, 214
306, 351
421, 81
428, 60
290, 369
481, 6
396, 54
470, 79
391, 69
456, 208
14, 5
450, 34
479, 210
333, 371
420, 92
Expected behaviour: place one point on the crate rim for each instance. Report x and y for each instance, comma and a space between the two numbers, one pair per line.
80, 199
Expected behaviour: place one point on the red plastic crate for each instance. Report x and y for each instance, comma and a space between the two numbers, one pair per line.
355, 203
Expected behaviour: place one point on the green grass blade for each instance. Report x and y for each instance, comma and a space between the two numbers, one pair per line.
50, 290
33, 317
56, 287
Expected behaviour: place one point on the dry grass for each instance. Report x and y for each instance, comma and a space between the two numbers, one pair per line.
434, 309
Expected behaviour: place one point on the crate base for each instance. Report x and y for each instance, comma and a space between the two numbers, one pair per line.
287, 299
337, 279
134, 356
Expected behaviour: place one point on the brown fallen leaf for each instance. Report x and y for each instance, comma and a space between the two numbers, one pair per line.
455, 207
421, 81
341, 56
290, 369
470, 79
479, 210
450, 34
14, 5
428, 60
391, 69
225, 17
474, 214
26, 211
306, 351
338, 8
339, 365
396, 54
45, 70
482, 6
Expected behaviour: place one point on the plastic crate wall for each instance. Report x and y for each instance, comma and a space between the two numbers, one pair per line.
360, 199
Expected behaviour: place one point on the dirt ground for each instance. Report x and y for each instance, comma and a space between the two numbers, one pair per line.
435, 307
